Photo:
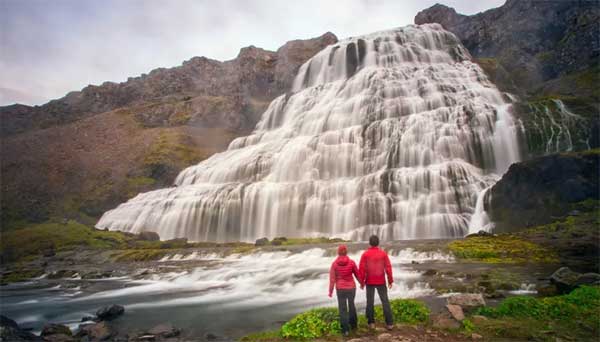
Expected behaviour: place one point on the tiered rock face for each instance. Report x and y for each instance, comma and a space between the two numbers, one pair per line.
91, 149
395, 133
547, 53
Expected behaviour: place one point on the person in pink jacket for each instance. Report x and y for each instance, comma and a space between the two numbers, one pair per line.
340, 275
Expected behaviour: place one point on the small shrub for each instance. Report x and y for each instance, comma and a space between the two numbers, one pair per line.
468, 325
405, 311
312, 324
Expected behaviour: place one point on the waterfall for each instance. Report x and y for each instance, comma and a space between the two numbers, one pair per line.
395, 133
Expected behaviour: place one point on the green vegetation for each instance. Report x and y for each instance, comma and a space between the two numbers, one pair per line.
324, 322
308, 241
140, 254
37, 239
312, 324
504, 248
575, 316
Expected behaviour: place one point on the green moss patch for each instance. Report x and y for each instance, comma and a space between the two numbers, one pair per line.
502, 248
575, 316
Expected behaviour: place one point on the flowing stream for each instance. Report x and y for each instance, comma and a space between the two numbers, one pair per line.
396, 133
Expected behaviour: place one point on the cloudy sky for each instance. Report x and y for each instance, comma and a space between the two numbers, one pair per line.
50, 47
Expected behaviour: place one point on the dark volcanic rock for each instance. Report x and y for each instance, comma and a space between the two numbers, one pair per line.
111, 312
534, 191
262, 242
532, 41
165, 330
10, 331
149, 236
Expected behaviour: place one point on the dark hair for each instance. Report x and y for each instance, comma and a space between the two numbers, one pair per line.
374, 240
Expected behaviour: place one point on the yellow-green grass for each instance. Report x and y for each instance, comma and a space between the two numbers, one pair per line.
504, 248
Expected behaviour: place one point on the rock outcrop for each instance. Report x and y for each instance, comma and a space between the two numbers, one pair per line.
80, 155
536, 191
531, 41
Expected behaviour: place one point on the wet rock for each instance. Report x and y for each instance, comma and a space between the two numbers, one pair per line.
62, 274
10, 331
211, 336
588, 279
480, 233
456, 312
261, 242
278, 241
547, 290
165, 330
55, 329
111, 312
94, 332
430, 272
87, 318
97, 275
146, 338
384, 337
148, 236
564, 279
467, 300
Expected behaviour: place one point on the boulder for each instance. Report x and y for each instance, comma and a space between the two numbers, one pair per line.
456, 311
148, 236
165, 330
10, 331
445, 322
111, 312
467, 300
55, 329
480, 233
588, 279
478, 319
261, 242
278, 241
95, 332
430, 272
475, 336
564, 279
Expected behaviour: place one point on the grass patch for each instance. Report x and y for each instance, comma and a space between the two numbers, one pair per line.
324, 322
20, 274
504, 248
575, 316
140, 254
36, 239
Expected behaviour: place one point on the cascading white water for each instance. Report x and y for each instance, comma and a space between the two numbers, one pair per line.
394, 133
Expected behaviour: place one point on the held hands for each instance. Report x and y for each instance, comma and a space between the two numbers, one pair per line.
390, 285
330, 294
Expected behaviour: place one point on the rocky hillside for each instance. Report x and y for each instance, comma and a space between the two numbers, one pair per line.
92, 149
547, 53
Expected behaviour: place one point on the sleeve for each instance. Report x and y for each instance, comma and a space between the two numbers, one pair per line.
362, 272
356, 274
331, 278
388, 269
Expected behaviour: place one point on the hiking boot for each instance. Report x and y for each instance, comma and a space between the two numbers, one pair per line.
346, 334
389, 327
371, 325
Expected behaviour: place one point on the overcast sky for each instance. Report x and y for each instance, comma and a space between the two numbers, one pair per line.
51, 47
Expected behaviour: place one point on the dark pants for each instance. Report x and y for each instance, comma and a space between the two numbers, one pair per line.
385, 303
347, 309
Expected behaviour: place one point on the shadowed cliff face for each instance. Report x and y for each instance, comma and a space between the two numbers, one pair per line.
547, 53
86, 152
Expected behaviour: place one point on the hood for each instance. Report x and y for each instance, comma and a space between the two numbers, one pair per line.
342, 260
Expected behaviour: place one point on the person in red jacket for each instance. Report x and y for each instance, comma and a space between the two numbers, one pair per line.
340, 275
374, 266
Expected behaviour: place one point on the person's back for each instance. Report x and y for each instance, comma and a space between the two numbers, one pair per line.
341, 277
374, 267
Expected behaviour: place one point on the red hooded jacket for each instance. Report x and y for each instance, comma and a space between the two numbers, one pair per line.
340, 274
374, 265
